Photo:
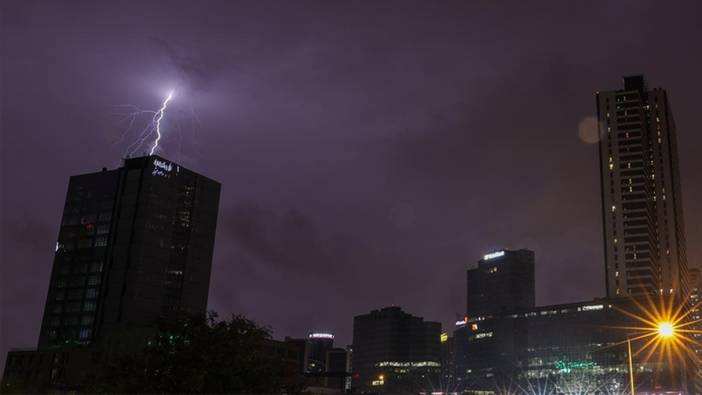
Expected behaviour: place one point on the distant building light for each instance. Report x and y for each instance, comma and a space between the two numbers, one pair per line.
415, 364
493, 255
321, 336
444, 337
474, 327
483, 335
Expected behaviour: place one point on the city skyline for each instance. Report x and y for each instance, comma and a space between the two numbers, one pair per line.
418, 197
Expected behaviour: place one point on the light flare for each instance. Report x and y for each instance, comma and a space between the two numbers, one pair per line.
666, 331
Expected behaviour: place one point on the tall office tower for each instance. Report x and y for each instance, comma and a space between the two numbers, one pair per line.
395, 352
641, 199
135, 245
502, 282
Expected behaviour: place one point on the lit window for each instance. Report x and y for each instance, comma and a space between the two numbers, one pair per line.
96, 267
85, 333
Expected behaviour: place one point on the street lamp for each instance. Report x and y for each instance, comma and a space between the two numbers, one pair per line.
664, 330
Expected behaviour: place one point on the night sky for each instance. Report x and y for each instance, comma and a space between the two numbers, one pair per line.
369, 152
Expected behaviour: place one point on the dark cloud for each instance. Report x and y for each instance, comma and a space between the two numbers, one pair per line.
290, 241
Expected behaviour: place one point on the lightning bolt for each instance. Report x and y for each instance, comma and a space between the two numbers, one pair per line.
157, 120
132, 114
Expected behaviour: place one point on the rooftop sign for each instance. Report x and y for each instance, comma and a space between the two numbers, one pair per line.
321, 336
493, 255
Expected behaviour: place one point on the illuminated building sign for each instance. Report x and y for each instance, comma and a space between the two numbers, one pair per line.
444, 337
493, 255
592, 307
321, 336
163, 168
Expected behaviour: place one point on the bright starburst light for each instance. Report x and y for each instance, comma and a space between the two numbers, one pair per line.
665, 329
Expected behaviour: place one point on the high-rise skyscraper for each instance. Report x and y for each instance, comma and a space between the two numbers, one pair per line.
135, 245
502, 282
641, 199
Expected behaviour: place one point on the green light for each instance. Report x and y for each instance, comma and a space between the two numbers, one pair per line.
568, 366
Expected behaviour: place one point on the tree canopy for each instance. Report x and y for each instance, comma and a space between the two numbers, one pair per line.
195, 355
